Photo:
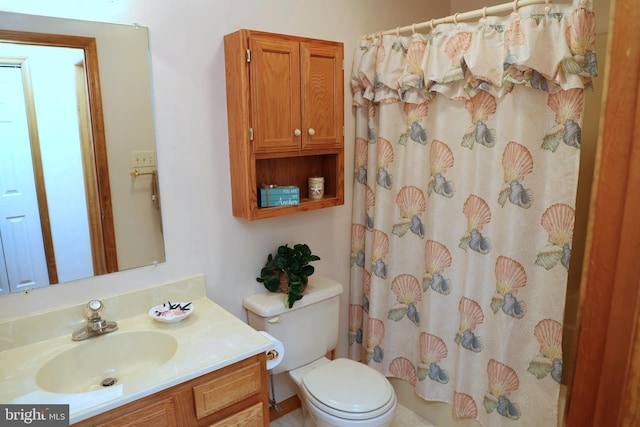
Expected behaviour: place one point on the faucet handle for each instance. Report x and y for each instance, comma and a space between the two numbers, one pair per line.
94, 309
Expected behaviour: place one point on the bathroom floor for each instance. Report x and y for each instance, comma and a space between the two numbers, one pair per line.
403, 418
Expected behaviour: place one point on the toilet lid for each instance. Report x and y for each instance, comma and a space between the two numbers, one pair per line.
346, 386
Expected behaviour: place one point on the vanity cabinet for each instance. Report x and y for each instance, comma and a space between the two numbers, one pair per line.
285, 104
232, 396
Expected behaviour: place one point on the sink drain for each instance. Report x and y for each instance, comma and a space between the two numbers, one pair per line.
108, 382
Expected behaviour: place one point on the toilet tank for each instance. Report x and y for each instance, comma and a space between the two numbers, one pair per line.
308, 330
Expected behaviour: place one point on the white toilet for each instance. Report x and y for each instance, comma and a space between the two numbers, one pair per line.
339, 392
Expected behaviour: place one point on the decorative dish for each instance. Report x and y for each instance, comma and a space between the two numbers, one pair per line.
171, 312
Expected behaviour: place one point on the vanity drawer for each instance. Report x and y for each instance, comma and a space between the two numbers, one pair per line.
253, 416
227, 389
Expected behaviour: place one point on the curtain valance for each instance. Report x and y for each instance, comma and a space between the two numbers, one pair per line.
494, 54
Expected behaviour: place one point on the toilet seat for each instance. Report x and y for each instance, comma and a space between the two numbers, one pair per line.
348, 389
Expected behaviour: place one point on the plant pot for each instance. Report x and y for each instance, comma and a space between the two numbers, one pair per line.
283, 277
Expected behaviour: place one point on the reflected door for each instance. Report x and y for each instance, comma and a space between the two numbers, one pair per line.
24, 262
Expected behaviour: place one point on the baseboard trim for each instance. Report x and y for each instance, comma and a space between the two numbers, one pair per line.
287, 405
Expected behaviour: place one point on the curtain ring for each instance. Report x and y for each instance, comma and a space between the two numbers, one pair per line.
455, 18
515, 6
431, 24
484, 12
413, 28
547, 7
398, 32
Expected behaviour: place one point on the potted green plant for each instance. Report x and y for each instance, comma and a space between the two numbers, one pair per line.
288, 271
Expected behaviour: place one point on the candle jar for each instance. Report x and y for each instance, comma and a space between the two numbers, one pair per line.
316, 187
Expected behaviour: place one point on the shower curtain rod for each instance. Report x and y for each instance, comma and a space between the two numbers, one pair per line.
486, 11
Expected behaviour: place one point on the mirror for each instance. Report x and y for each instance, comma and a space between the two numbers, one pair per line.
78, 177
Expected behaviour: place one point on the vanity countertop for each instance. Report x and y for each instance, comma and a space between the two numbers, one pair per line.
209, 339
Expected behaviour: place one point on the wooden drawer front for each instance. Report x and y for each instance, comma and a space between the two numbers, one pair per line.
250, 417
162, 413
227, 390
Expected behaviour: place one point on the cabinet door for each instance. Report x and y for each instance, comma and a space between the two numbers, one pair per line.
322, 95
161, 413
275, 94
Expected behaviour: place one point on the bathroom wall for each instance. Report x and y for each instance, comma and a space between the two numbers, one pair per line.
187, 58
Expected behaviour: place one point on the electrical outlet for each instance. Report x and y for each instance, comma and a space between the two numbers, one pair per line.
143, 159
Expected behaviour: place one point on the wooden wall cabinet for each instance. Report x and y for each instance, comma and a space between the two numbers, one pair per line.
232, 396
285, 104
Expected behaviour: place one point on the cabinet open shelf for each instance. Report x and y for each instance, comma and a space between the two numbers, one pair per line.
305, 205
296, 171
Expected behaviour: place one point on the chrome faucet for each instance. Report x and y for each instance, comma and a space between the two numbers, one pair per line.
96, 325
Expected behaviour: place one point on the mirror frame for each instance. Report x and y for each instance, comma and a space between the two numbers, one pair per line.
101, 222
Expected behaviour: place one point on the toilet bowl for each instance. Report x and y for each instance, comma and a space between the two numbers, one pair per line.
342, 393
334, 393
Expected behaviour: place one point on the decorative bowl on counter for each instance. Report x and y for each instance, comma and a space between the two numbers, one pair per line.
171, 312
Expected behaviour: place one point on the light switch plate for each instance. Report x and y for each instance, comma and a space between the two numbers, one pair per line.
143, 159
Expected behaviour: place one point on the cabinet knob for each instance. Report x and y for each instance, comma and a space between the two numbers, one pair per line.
297, 132
311, 131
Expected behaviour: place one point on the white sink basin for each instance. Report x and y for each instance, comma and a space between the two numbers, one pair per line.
118, 355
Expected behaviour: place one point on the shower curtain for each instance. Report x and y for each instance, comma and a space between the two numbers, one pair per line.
466, 164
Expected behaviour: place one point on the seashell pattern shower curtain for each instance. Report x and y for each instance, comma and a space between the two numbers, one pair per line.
466, 165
